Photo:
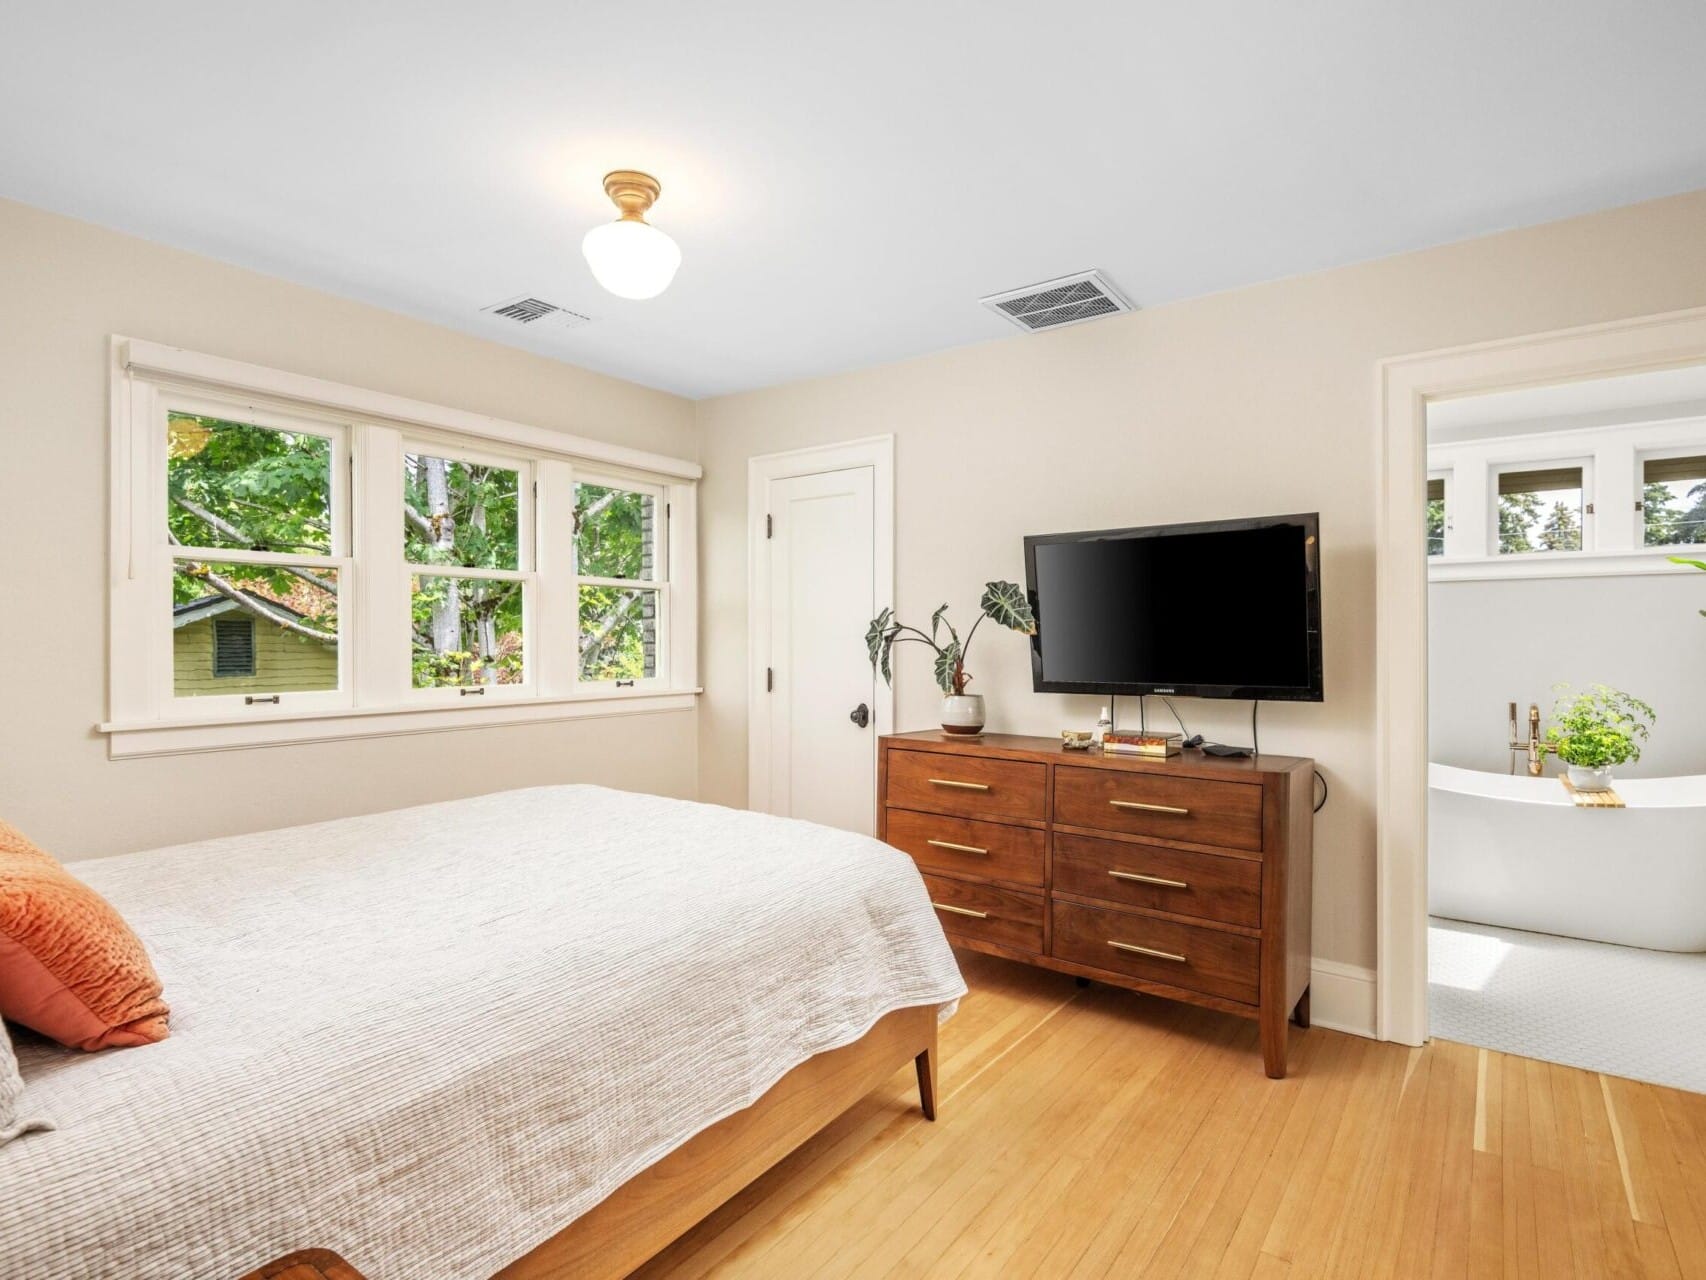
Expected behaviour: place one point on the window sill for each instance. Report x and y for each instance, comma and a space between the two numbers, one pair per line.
282, 728
1558, 564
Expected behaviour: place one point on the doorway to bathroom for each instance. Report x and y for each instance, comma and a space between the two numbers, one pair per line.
1565, 538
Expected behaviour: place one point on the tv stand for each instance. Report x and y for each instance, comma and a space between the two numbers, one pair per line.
1187, 878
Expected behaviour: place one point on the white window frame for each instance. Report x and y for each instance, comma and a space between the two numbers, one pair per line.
662, 518
1611, 459
1498, 470
149, 449
1446, 538
525, 572
371, 431
1660, 454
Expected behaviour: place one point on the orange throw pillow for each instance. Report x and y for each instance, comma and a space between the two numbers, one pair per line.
70, 967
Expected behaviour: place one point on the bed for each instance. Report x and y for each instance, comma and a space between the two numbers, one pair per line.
538, 1033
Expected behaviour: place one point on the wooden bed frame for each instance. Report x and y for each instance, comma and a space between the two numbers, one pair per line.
654, 1207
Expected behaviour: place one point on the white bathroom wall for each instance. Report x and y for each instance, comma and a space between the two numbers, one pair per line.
1513, 639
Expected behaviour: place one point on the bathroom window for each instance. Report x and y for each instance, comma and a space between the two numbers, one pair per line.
1541, 509
1673, 500
1436, 514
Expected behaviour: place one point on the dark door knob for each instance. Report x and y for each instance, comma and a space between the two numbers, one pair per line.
860, 715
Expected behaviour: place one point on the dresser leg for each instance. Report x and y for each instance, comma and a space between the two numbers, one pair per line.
1273, 1043
1300, 1015
926, 1064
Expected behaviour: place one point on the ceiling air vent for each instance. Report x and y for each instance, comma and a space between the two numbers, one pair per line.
536, 313
1055, 303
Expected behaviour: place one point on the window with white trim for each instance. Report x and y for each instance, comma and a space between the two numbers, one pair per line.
1540, 508
1673, 498
1438, 511
331, 561
621, 581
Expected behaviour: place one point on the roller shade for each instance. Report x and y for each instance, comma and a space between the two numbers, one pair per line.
1436, 490
1672, 470
1540, 481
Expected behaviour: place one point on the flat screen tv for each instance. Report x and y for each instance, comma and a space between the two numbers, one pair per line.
1220, 609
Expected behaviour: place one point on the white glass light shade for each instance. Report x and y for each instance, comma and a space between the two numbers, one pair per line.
631, 259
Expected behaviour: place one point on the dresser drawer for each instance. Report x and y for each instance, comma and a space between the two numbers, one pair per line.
1181, 955
969, 786
1209, 886
986, 913
1228, 814
967, 847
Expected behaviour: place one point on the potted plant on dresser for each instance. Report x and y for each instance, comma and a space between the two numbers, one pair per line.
962, 712
1596, 730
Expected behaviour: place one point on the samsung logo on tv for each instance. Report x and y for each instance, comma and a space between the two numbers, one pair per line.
1163, 691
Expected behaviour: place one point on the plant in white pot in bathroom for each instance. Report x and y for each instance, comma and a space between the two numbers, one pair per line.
962, 712
1596, 730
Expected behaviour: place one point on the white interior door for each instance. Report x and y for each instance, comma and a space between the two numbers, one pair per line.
820, 553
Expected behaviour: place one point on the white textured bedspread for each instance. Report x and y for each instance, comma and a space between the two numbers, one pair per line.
430, 1039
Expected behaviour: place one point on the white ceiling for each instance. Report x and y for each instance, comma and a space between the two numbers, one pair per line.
1656, 396
845, 181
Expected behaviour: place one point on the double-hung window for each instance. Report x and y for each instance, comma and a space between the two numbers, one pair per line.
467, 544
297, 559
247, 524
621, 581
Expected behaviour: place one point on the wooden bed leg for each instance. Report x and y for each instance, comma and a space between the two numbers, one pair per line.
926, 1064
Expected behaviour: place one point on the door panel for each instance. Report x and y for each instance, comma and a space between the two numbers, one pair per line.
821, 555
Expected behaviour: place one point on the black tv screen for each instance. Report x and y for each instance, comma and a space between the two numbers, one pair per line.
1223, 609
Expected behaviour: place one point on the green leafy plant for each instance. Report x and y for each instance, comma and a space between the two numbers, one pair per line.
1698, 564
1599, 727
1003, 603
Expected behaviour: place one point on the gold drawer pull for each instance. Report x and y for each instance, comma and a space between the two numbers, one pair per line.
963, 786
957, 848
1148, 808
961, 911
1155, 880
1145, 951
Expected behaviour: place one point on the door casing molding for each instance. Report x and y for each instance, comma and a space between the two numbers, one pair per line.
1404, 388
876, 452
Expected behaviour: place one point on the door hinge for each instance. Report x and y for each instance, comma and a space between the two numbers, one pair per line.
769, 527
769, 680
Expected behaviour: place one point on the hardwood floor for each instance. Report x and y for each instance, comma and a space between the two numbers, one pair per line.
1097, 1132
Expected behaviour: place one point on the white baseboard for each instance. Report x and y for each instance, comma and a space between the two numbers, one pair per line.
1341, 997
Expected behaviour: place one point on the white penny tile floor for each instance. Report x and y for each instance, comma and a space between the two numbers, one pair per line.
1619, 1010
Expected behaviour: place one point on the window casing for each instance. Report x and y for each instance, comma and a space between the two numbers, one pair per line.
344, 580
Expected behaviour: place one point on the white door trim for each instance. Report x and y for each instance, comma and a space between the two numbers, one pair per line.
1404, 388
876, 452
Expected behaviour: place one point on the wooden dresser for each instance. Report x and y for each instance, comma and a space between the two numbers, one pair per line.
1187, 878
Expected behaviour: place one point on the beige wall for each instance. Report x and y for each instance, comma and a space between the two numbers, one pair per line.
65, 287
1251, 402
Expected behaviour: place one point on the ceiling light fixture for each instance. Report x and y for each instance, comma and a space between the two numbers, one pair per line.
630, 257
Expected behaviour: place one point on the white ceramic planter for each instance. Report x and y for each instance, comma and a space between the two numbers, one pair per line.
962, 713
1589, 779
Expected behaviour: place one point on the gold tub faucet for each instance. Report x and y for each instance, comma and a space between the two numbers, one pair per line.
1534, 748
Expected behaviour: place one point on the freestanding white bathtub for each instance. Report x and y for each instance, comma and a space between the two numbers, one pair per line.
1516, 852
